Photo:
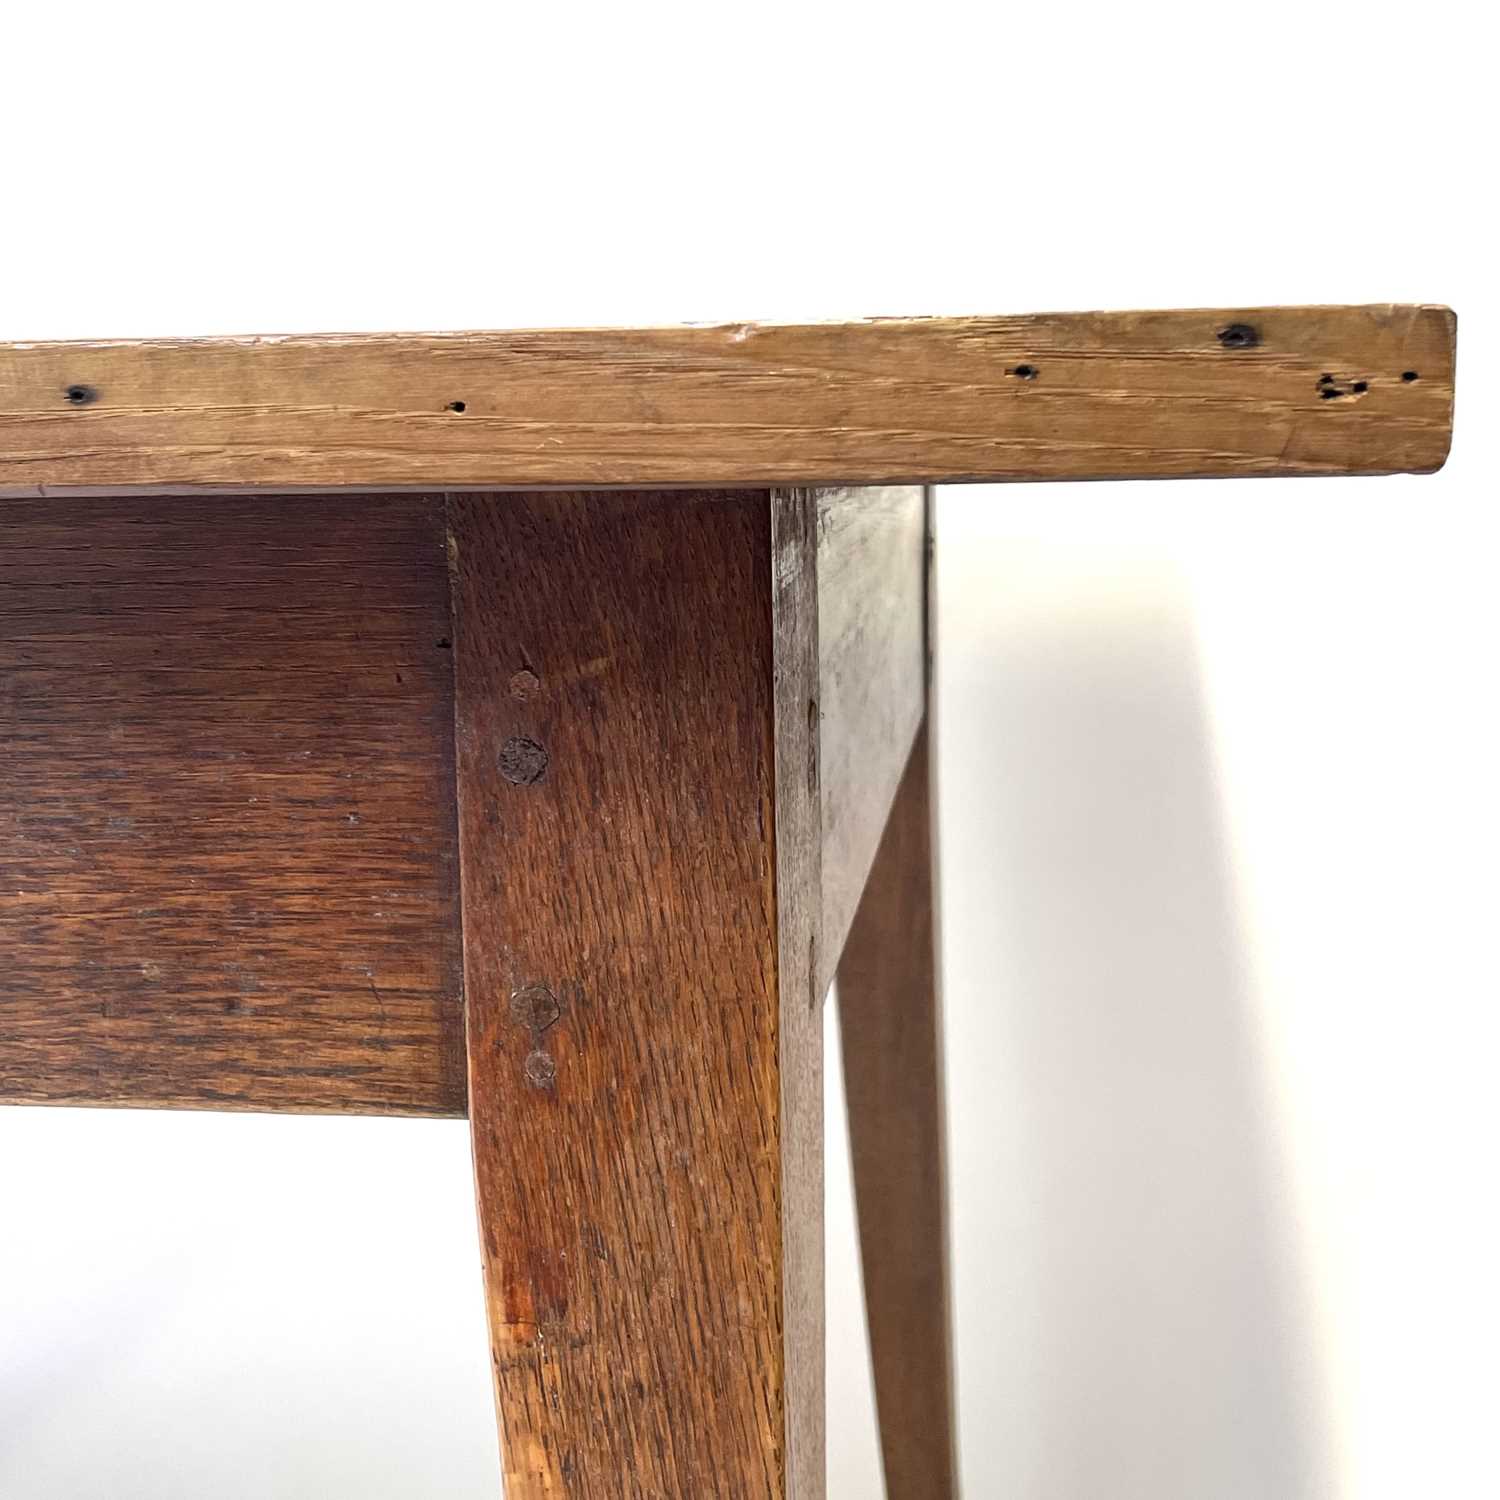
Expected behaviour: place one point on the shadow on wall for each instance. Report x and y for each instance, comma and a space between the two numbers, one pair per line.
1127, 1295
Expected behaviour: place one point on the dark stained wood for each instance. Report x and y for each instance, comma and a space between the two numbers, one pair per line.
639, 1091
872, 633
891, 1029
227, 872
1308, 390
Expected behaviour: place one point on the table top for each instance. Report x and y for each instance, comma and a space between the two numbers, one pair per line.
1206, 393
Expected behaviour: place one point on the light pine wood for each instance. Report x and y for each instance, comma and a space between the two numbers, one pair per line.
890, 1023
228, 867
640, 899
1312, 390
872, 603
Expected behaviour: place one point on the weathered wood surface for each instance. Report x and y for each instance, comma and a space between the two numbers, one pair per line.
1311, 390
227, 872
872, 634
891, 1028
793, 585
639, 1076
177, 656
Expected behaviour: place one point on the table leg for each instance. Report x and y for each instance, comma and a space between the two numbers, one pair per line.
637, 796
891, 1028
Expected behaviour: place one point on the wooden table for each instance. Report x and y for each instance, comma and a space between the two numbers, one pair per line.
530, 726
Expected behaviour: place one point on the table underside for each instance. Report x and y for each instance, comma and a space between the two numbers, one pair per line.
227, 804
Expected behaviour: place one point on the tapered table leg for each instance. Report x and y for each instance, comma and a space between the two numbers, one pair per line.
890, 1023
638, 846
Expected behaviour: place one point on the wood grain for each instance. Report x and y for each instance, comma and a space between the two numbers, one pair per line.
890, 1021
872, 633
227, 872
793, 586
638, 1085
1066, 396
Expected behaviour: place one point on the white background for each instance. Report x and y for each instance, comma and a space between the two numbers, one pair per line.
1217, 762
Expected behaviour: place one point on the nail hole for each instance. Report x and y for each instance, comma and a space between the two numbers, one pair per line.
458, 406
1239, 336
1360, 387
444, 644
1408, 376
1328, 393
1025, 372
1325, 379
80, 395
